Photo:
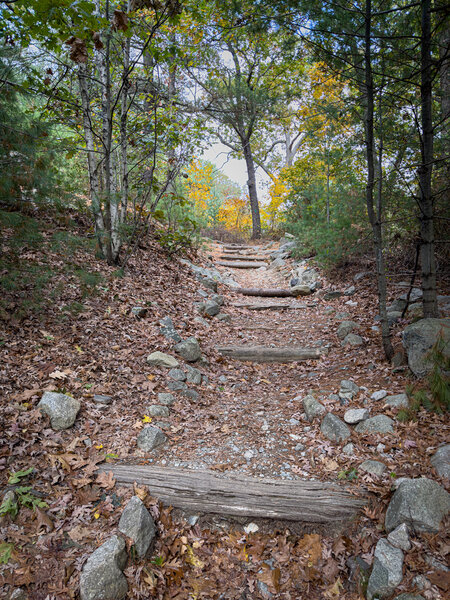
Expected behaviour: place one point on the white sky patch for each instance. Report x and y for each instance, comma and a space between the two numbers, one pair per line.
236, 169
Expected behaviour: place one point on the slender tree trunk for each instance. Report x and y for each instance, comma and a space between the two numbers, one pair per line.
427, 256
92, 158
123, 129
252, 191
374, 217
328, 183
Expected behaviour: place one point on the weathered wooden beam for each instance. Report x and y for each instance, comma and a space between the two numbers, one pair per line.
267, 306
298, 290
236, 247
242, 257
241, 265
207, 492
262, 354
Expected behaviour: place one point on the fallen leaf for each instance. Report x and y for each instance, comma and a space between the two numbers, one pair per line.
43, 520
140, 492
106, 480
58, 375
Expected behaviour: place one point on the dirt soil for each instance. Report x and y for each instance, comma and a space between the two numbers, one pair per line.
248, 419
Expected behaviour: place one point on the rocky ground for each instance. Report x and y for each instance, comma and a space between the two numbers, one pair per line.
144, 383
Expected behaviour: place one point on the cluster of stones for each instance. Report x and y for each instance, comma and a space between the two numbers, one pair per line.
417, 505
102, 575
212, 307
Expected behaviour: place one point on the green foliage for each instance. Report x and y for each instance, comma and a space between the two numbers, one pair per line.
89, 281
6, 550
349, 474
24, 495
180, 238
18, 475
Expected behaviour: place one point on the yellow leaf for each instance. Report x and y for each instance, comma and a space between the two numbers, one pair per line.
192, 559
334, 590
78, 349
97, 515
146, 419
151, 377
99, 447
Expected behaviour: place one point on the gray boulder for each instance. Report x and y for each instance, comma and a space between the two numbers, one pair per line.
150, 438
177, 374
312, 407
211, 308
399, 537
334, 429
356, 415
349, 449
379, 395
208, 282
102, 577
373, 467
420, 337
193, 375
345, 328
168, 330
377, 424
159, 359
387, 572
350, 291
421, 503
441, 461
277, 263
332, 294
156, 410
166, 399
189, 349
352, 339
306, 276
414, 295
301, 290
177, 386
61, 409
137, 523
218, 299
348, 389
397, 401
224, 317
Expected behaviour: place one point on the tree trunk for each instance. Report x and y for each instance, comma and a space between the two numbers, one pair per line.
374, 218
123, 128
252, 191
426, 208
93, 162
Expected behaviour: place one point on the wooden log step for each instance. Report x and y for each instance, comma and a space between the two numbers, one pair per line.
241, 265
267, 306
237, 247
207, 492
242, 257
263, 354
299, 290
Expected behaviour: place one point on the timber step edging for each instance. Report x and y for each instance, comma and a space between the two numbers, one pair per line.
263, 354
235, 495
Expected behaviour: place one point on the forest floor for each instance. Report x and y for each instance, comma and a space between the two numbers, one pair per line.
248, 419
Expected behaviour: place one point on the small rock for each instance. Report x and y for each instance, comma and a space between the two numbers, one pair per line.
211, 308
208, 282
155, 410
189, 349
248, 454
441, 461
345, 328
223, 379
393, 316
224, 317
294, 281
168, 330
356, 415
332, 294
61, 409
421, 503
159, 359
293, 421
193, 520
360, 276
387, 572
300, 447
379, 395
137, 524
166, 399
202, 321
150, 438
349, 449
218, 299
301, 290
191, 394
313, 408
102, 577
399, 538
139, 311
193, 375
277, 263
177, 374
334, 429
18, 594
381, 448
177, 386
348, 388
377, 424
350, 291
421, 582
352, 339
436, 564
409, 597
101, 399
251, 528
373, 467
397, 401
